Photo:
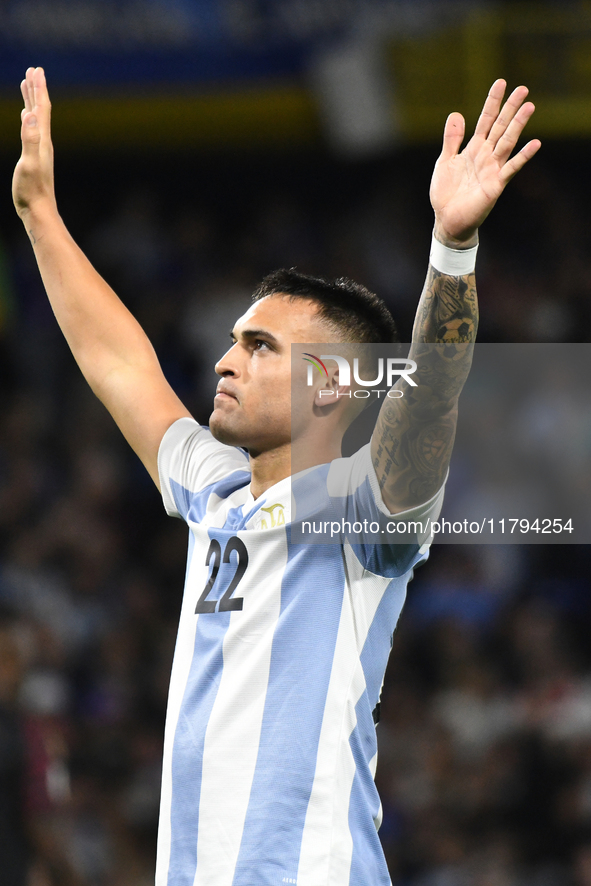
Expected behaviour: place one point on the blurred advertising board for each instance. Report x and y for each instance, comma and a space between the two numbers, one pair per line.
370, 73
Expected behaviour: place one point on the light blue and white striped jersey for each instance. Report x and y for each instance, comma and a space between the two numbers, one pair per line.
270, 746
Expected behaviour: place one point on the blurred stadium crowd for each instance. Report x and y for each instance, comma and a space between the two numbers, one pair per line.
485, 737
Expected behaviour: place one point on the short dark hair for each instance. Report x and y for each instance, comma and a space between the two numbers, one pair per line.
351, 309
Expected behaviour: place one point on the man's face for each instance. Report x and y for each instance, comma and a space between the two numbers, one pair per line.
252, 407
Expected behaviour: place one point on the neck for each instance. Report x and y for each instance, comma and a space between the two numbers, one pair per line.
274, 465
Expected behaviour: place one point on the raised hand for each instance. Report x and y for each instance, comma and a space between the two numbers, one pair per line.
32, 183
465, 186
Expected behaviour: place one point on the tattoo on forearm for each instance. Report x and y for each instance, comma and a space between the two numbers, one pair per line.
448, 310
414, 435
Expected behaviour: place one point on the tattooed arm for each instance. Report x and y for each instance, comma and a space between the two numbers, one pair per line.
413, 439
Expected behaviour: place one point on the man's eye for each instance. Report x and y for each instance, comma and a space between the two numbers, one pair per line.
260, 343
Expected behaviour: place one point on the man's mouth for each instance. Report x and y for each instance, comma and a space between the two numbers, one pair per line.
224, 392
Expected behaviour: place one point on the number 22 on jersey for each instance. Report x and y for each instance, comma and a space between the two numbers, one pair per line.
227, 603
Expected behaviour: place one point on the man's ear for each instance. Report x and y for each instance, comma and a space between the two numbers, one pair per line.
332, 392
325, 396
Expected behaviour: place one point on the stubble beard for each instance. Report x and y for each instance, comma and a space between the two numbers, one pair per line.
226, 430
221, 428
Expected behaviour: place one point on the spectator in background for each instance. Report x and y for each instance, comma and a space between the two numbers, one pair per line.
14, 848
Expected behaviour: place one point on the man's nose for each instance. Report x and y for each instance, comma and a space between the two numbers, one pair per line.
228, 365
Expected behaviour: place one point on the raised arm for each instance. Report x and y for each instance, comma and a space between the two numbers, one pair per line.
414, 435
109, 345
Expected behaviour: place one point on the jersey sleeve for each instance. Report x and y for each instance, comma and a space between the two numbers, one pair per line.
413, 526
344, 499
190, 460
354, 481
422, 515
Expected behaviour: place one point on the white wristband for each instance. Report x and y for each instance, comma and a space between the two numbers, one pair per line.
453, 262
